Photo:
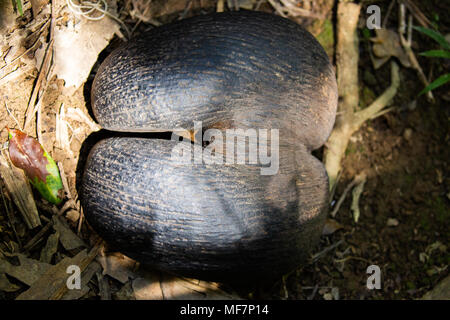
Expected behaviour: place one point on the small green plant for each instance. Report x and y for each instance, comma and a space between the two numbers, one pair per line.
18, 6
441, 53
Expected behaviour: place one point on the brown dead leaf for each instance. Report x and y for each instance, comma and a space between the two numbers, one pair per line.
20, 190
118, 266
330, 227
52, 285
387, 44
37, 5
77, 45
7, 286
50, 248
27, 154
154, 286
68, 238
28, 271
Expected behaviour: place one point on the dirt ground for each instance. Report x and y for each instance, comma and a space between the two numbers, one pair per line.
404, 222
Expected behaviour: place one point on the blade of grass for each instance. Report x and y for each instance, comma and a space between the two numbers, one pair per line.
436, 36
436, 54
436, 83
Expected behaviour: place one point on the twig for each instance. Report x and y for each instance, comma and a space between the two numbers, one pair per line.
12, 116
313, 293
186, 10
78, 115
381, 102
318, 255
39, 123
64, 180
352, 258
69, 204
278, 8
344, 194
258, 4
407, 47
31, 110
30, 244
417, 13
80, 221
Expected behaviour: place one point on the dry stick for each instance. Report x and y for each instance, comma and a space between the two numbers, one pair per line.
417, 13
80, 221
12, 117
278, 8
318, 255
406, 43
186, 10
349, 121
31, 110
47, 72
313, 293
258, 4
64, 180
342, 198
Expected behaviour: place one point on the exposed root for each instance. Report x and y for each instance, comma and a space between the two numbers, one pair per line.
349, 120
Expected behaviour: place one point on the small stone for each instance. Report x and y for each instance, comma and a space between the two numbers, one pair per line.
407, 134
392, 222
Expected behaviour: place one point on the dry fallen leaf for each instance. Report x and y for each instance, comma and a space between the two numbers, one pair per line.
160, 286
52, 285
67, 237
28, 271
86, 276
7, 286
77, 45
330, 227
50, 248
118, 266
387, 44
18, 187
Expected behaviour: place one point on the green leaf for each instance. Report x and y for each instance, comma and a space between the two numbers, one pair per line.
52, 188
27, 154
436, 36
19, 7
436, 83
436, 54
